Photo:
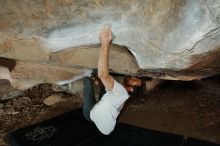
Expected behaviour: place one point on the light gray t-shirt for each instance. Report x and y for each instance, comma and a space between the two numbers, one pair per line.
105, 112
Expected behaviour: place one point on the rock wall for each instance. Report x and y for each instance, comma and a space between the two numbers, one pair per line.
169, 39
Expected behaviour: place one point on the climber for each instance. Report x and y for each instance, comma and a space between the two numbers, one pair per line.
104, 112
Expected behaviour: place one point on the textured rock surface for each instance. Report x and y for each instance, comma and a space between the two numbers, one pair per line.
53, 99
7, 92
170, 39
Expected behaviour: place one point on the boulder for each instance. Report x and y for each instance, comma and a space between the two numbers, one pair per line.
54, 41
53, 99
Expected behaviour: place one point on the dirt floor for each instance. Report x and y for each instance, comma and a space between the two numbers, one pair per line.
186, 108
191, 109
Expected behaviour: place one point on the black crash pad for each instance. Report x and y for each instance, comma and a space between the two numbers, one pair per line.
65, 130
128, 135
72, 129
195, 142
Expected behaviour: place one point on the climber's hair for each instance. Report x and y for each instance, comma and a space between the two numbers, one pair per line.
137, 90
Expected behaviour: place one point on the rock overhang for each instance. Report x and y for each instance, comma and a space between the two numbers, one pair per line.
166, 38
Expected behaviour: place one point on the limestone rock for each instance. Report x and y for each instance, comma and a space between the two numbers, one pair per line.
7, 91
53, 41
59, 88
152, 84
27, 74
53, 99
76, 88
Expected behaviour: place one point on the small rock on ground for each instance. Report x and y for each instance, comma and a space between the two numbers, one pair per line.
53, 99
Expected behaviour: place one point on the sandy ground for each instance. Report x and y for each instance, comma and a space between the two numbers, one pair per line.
186, 108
